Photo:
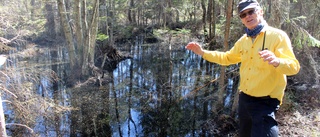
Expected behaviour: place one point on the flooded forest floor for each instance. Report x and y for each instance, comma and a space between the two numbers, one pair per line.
299, 114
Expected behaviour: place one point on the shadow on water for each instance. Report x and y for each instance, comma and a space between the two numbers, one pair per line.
152, 94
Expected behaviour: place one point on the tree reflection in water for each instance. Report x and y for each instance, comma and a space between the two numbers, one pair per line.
154, 94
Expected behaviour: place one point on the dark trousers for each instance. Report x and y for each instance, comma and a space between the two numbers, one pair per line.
257, 116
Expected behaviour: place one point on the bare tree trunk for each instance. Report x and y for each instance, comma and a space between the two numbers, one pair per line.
204, 14
161, 13
177, 15
226, 47
3, 132
275, 17
195, 10
32, 3
267, 13
93, 31
86, 35
67, 33
168, 12
131, 12
212, 24
103, 26
90, 39
111, 12
50, 24
139, 14
78, 28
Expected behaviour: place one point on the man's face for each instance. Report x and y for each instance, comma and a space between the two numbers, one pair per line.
251, 17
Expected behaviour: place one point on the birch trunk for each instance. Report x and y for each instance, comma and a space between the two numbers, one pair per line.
78, 28
93, 29
67, 32
90, 39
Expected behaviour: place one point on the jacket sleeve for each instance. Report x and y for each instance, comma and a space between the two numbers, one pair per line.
223, 58
289, 65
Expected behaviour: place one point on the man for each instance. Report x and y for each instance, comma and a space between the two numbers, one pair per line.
266, 57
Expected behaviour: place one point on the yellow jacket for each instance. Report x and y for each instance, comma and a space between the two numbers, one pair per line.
258, 78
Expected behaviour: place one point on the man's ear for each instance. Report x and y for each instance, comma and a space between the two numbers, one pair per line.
261, 12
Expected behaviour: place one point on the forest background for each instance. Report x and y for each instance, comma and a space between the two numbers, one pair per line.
92, 29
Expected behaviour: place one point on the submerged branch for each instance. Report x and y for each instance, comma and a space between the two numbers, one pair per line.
205, 85
14, 124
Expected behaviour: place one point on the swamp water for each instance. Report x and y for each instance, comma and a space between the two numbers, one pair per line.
156, 93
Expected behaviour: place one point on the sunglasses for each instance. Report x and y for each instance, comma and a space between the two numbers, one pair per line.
250, 12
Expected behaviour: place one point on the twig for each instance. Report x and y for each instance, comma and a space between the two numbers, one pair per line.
6, 101
14, 124
4, 89
4, 74
199, 88
208, 83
